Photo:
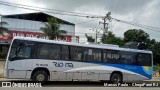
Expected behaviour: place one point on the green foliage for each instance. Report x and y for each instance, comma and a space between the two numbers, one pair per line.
3, 29
138, 37
110, 38
89, 38
3, 55
51, 29
156, 67
155, 48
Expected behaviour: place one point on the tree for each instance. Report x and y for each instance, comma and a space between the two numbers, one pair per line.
89, 38
155, 48
51, 29
137, 37
3, 29
110, 38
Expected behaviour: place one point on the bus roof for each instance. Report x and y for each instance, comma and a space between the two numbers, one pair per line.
100, 46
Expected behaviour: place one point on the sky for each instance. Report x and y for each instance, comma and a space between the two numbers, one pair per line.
144, 12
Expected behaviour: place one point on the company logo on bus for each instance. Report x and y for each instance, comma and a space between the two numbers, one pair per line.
147, 69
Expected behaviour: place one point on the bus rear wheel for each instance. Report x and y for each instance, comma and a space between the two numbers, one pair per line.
116, 78
40, 76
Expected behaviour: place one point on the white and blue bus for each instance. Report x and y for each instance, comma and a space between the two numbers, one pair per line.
45, 60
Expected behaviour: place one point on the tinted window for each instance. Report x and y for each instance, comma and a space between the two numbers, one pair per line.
96, 55
87, 54
65, 52
128, 58
144, 59
111, 56
76, 53
43, 51
92, 55
55, 52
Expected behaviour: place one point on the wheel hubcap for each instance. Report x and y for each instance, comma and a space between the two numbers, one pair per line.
116, 79
40, 77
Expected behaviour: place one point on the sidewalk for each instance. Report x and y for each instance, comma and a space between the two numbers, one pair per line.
154, 79
1, 68
1, 72
4, 79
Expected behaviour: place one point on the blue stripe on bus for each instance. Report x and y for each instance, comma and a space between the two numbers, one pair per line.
133, 68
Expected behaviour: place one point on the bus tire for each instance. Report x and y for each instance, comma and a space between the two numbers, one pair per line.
116, 78
40, 76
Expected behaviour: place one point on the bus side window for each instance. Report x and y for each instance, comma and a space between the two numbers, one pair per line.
144, 59
65, 52
55, 52
43, 51
96, 55
127, 58
139, 59
111, 56
86, 56
76, 53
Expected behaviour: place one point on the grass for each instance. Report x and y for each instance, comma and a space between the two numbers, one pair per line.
156, 67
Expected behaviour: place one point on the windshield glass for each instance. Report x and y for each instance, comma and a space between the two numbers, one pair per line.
20, 50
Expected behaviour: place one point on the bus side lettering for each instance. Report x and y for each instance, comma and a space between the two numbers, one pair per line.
60, 64
68, 65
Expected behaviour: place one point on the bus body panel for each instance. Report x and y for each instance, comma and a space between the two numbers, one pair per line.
19, 68
77, 71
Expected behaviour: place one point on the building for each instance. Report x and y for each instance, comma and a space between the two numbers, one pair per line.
28, 25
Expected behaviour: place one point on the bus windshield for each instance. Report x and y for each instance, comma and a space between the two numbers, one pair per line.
19, 50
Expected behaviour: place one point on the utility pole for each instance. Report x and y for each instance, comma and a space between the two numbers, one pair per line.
105, 24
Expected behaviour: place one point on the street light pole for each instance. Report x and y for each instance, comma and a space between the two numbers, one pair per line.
96, 30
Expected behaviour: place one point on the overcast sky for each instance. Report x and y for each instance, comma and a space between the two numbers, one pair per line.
145, 12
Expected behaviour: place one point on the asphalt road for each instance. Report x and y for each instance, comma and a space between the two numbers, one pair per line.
82, 88
143, 84
81, 85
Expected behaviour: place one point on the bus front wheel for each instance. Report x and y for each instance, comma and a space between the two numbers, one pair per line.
116, 78
41, 76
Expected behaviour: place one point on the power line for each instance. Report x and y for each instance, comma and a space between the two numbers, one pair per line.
45, 10
138, 25
113, 25
141, 24
86, 21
